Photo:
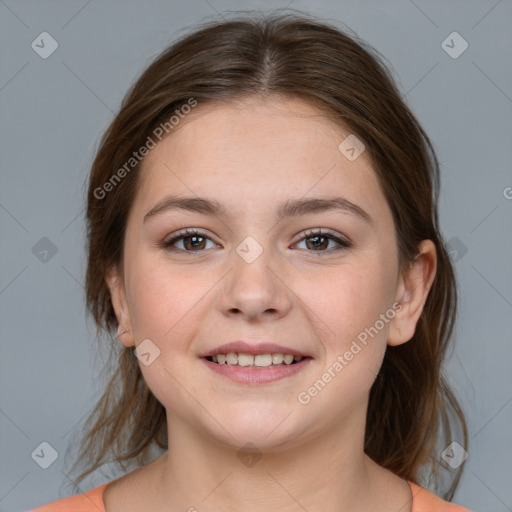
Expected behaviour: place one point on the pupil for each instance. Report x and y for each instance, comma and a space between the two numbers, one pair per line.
193, 239
317, 238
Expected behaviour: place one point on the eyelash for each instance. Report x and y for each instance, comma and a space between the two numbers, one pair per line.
187, 233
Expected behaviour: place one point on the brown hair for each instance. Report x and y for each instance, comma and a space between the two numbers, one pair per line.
409, 420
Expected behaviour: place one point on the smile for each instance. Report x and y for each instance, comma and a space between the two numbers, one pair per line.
256, 369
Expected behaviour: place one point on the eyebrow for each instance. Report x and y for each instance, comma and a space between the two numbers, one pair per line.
290, 208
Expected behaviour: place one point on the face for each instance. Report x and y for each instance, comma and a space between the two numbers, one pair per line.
314, 280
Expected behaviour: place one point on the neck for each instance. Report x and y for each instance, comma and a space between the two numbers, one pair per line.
328, 469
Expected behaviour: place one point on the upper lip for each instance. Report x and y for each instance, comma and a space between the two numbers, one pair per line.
253, 348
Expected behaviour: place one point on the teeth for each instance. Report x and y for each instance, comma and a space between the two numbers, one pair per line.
263, 360
277, 358
260, 360
245, 359
288, 358
231, 358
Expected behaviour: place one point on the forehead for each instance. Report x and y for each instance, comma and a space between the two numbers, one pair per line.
257, 152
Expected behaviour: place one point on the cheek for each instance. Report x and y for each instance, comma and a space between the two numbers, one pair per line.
347, 317
165, 304
167, 309
348, 300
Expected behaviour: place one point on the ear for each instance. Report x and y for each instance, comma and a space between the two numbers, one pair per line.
115, 283
412, 292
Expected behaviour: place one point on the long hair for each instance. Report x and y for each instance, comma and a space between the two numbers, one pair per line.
412, 413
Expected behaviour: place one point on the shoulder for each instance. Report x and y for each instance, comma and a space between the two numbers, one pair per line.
425, 501
90, 501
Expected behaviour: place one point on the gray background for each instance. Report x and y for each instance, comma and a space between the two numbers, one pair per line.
53, 112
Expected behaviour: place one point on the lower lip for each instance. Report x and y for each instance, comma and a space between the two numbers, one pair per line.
262, 375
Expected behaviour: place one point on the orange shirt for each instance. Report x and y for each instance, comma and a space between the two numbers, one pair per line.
92, 501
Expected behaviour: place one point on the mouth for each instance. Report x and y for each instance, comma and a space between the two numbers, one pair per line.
251, 369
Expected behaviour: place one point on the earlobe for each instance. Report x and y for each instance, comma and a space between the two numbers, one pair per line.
413, 293
120, 331
118, 297
399, 331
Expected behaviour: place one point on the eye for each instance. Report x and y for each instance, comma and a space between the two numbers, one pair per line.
193, 241
320, 241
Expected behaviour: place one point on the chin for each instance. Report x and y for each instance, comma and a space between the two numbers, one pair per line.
266, 426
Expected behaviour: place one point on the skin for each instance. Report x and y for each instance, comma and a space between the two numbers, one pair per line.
251, 156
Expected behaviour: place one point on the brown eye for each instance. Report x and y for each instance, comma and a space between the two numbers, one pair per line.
193, 241
318, 241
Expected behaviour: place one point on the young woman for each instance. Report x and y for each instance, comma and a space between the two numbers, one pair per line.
264, 238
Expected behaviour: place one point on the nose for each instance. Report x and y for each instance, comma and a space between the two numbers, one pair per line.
256, 291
